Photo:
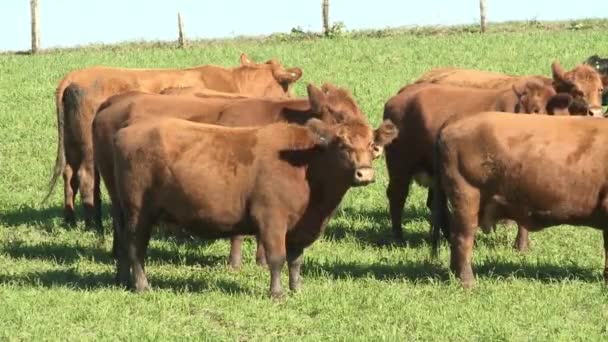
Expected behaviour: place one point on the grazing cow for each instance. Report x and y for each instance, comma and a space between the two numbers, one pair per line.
420, 109
330, 103
539, 171
80, 93
281, 182
581, 82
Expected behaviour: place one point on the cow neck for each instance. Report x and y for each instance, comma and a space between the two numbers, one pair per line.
326, 188
506, 101
219, 79
296, 110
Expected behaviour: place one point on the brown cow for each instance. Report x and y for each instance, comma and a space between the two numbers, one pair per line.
281, 182
539, 171
420, 109
77, 105
581, 82
330, 103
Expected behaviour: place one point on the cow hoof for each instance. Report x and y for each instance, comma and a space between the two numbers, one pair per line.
141, 288
235, 265
277, 295
468, 284
523, 247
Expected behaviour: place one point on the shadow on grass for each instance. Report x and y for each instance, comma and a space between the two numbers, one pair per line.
426, 271
67, 254
545, 273
91, 281
382, 236
28, 215
413, 271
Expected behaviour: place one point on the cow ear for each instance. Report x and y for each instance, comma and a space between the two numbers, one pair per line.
386, 133
560, 82
558, 104
289, 76
322, 133
519, 89
245, 60
318, 100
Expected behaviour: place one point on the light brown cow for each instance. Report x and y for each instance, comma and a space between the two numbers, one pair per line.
420, 109
281, 182
329, 103
540, 171
581, 82
81, 92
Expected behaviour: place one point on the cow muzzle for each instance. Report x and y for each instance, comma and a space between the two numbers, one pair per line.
596, 112
363, 176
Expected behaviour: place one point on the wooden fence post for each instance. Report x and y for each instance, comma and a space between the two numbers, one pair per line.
482, 15
35, 29
325, 10
180, 29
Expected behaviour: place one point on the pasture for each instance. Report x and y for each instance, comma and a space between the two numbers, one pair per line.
57, 282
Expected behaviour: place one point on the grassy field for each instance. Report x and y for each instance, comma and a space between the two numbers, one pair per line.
57, 283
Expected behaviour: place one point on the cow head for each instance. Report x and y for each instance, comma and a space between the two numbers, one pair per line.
333, 104
349, 149
532, 96
582, 82
269, 79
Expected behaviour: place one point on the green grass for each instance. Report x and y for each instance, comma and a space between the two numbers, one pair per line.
57, 283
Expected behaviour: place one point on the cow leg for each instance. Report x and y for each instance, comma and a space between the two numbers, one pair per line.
522, 241
295, 256
429, 199
463, 228
86, 174
397, 192
119, 249
606, 256
138, 237
260, 254
97, 203
236, 258
272, 233
70, 189
400, 176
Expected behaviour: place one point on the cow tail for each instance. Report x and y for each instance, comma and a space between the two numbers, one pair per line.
439, 216
60, 159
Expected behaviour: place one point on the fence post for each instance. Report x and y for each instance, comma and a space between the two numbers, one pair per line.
180, 29
325, 10
482, 15
35, 29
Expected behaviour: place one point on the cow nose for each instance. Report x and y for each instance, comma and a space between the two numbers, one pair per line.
377, 151
363, 176
596, 111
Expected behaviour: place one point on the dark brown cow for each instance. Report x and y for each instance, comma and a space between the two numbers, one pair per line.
539, 171
581, 82
420, 109
330, 103
80, 93
281, 182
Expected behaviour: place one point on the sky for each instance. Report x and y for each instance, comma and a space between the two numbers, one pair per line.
65, 23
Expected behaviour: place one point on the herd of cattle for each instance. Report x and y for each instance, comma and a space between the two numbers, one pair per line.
228, 152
